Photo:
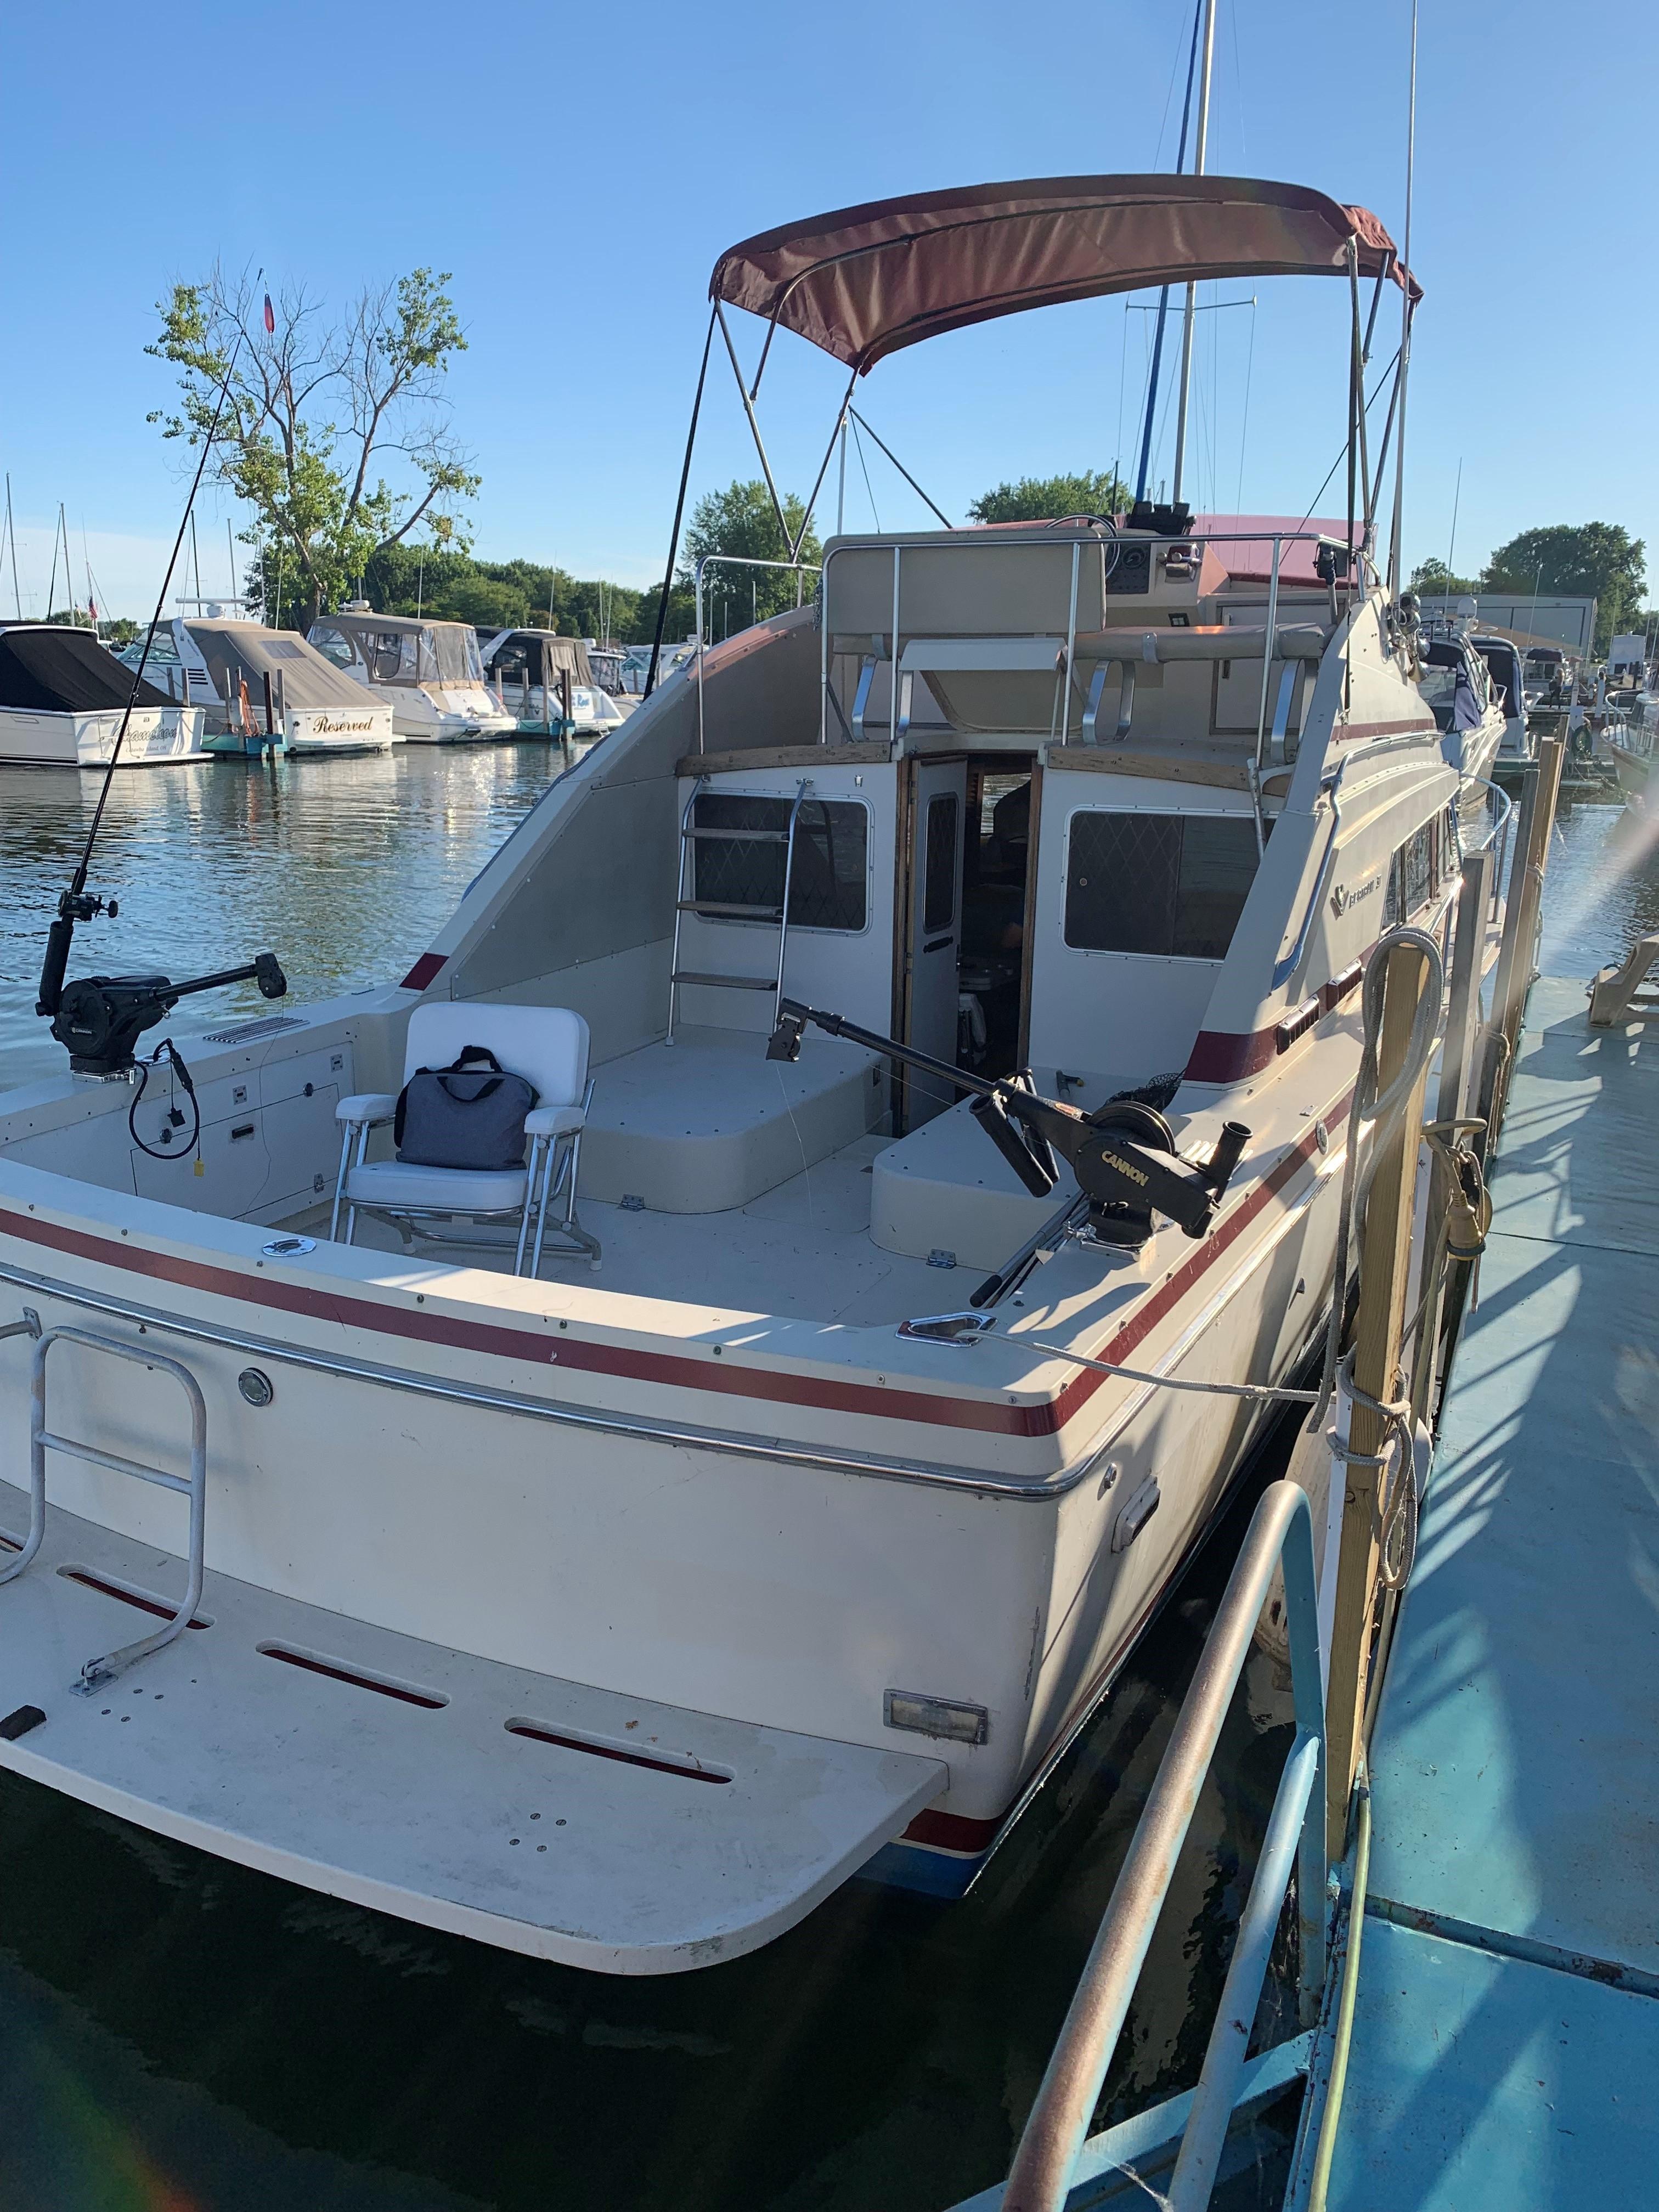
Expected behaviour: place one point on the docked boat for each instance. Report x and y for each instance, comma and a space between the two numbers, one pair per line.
61, 699
262, 690
779, 1492
546, 679
1507, 682
430, 673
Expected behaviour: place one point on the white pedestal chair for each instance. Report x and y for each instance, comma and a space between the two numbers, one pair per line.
548, 1046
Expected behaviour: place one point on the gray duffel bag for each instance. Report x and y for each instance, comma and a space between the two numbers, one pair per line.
469, 1114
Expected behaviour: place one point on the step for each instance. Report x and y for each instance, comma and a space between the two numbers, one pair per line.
773, 914
603, 1831
725, 982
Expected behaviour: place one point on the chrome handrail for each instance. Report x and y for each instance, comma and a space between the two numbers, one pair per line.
732, 560
1040, 2175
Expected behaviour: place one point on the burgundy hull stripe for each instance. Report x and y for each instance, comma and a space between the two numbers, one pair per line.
1225, 1055
669, 1369
425, 968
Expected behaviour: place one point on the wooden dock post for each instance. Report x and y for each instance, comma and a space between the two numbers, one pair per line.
1526, 891
1460, 1073
1378, 1327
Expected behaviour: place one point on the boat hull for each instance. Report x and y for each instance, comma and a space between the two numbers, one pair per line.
156, 737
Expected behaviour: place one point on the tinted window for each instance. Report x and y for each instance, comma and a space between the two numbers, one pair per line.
938, 892
1163, 884
334, 643
827, 888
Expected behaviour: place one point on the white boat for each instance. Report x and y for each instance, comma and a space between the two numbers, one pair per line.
616, 1616
430, 673
1502, 656
61, 699
261, 687
548, 681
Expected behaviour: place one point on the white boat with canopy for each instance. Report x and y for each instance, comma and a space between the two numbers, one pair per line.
548, 681
261, 688
613, 1589
62, 698
430, 673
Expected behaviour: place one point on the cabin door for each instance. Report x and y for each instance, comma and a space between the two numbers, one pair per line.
934, 935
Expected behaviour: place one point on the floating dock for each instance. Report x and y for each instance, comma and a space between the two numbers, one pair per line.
1505, 2040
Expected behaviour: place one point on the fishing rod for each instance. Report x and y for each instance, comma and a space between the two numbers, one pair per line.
99, 1017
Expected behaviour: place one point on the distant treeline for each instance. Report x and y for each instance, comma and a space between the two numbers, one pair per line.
506, 595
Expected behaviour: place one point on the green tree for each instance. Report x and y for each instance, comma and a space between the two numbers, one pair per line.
1047, 499
741, 520
1433, 580
453, 587
315, 410
1590, 560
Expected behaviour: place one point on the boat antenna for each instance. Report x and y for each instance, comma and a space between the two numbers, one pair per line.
75, 904
1405, 329
11, 538
1199, 146
1163, 296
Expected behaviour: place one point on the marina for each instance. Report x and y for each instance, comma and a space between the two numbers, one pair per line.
831, 1384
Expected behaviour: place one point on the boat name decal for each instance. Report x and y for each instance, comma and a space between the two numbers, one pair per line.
1342, 898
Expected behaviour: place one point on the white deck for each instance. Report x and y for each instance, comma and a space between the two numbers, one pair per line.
802, 1251
438, 1813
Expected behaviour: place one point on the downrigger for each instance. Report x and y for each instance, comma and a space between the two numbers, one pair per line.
1122, 1154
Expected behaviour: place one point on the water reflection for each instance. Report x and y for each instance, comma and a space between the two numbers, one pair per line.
344, 868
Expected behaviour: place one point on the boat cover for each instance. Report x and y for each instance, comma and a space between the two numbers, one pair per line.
865, 281
404, 649
54, 670
547, 653
239, 652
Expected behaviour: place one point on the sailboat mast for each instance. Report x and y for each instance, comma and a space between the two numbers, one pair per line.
1201, 145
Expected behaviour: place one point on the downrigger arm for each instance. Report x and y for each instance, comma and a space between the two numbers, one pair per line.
1122, 1154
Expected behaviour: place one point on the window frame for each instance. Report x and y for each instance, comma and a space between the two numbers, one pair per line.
1164, 813
786, 799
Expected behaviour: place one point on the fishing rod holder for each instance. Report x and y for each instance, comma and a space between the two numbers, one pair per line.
1122, 1154
98, 1019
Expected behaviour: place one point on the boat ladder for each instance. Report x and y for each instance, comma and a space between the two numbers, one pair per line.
1181, 2141
43, 1439
687, 901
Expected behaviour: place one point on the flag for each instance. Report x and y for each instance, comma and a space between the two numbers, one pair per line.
270, 318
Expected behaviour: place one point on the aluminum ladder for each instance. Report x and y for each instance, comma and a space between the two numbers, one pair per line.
43, 1439
686, 901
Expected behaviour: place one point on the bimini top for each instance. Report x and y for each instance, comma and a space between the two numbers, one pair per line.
246, 652
399, 649
546, 653
53, 670
865, 281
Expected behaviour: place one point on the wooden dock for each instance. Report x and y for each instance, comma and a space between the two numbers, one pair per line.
1505, 2044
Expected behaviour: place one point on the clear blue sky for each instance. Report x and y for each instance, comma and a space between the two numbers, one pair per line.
580, 171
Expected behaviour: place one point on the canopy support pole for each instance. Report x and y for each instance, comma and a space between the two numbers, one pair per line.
679, 510
903, 470
1359, 382
839, 432
754, 428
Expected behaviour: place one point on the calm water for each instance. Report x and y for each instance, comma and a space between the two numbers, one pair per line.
177, 2035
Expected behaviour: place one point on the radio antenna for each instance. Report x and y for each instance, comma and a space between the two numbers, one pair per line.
74, 905
1405, 329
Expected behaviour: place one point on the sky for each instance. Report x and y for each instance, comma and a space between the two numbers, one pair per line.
578, 176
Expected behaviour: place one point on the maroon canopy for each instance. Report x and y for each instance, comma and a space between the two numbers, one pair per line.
865, 281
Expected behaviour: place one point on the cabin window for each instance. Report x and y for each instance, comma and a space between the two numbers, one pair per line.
829, 886
1413, 873
939, 890
1172, 884
334, 643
